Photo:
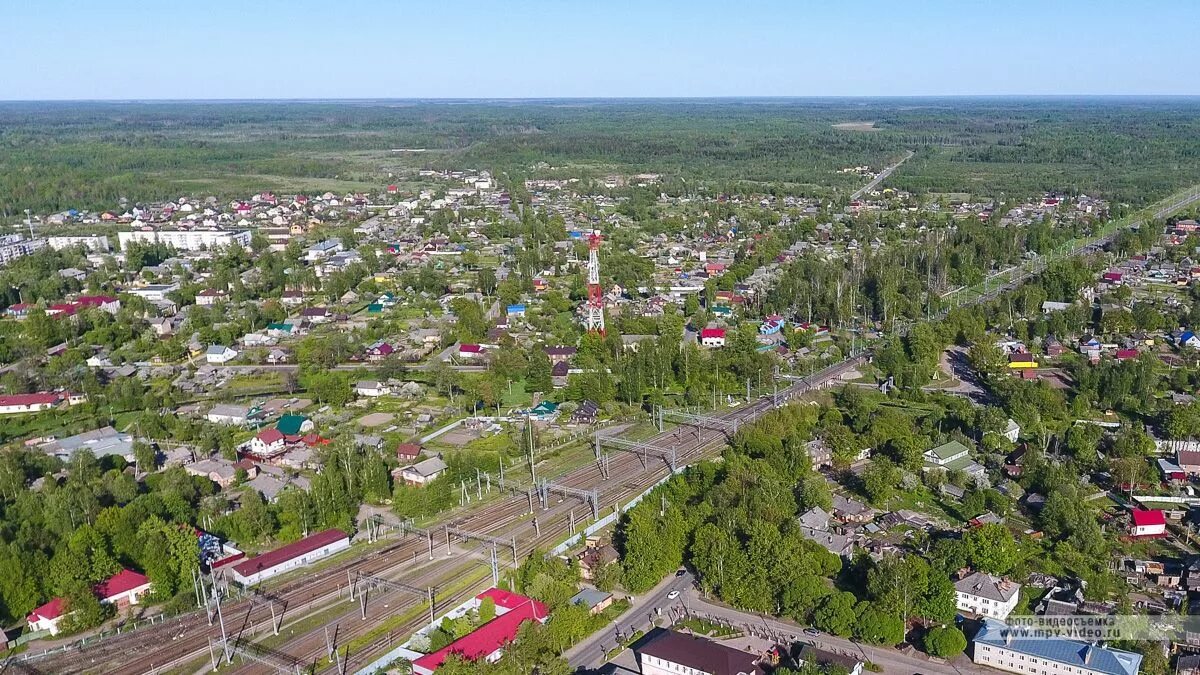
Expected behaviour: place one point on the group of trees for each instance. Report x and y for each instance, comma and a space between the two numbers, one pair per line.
62, 539
735, 524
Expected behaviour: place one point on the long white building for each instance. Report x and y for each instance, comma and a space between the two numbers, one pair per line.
97, 242
187, 240
1005, 648
296, 554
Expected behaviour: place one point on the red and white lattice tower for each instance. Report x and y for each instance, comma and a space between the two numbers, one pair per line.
594, 311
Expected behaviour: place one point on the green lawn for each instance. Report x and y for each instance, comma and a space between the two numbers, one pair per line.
516, 396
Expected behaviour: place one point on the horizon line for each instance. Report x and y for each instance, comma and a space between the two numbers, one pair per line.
518, 99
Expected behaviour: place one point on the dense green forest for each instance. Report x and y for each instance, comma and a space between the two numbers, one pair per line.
89, 155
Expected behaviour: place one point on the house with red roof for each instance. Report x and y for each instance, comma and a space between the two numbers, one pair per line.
62, 309
470, 351
487, 642
123, 589
106, 303
268, 443
712, 337
16, 404
408, 451
1148, 523
209, 297
378, 351
296, 554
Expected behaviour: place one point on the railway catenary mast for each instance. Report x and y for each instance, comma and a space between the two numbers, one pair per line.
594, 310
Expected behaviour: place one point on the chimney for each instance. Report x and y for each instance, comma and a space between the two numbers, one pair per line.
1008, 637
1087, 654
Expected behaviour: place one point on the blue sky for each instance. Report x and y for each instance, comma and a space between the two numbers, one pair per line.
119, 49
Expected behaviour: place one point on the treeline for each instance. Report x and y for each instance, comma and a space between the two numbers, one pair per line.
63, 155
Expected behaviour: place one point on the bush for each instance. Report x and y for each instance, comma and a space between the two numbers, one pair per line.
945, 642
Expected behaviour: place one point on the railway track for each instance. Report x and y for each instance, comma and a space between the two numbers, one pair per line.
180, 641
705, 443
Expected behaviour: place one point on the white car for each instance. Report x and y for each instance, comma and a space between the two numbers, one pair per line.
672, 595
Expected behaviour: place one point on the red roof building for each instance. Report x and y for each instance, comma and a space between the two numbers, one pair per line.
296, 554
487, 641
1148, 523
269, 436
122, 589
712, 337
121, 583
21, 403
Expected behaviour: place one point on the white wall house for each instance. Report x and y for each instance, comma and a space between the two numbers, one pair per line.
16, 404
217, 354
371, 388
986, 595
225, 413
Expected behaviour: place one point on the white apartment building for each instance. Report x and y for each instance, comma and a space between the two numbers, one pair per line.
98, 243
187, 240
1010, 649
986, 595
13, 246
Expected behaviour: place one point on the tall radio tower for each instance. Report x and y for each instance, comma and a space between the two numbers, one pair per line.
594, 318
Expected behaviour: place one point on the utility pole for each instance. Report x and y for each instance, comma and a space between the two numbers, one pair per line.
532, 469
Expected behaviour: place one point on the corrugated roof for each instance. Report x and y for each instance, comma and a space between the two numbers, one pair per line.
293, 550
1068, 652
492, 635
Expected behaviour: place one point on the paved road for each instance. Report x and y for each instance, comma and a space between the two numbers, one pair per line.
590, 652
880, 178
891, 660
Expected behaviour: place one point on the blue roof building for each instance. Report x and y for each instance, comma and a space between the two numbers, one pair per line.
1012, 649
515, 310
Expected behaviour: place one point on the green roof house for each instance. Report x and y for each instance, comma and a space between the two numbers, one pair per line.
946, 454
543, 410
294, 425
954, 456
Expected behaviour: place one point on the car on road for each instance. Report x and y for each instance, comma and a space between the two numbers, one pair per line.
812, 632
680, 572
673, 594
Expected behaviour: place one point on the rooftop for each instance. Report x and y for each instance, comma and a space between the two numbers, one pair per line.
987, 586
699, 653
491, 636
285, 553
1068, 652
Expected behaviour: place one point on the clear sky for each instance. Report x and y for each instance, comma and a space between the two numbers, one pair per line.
188, 49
